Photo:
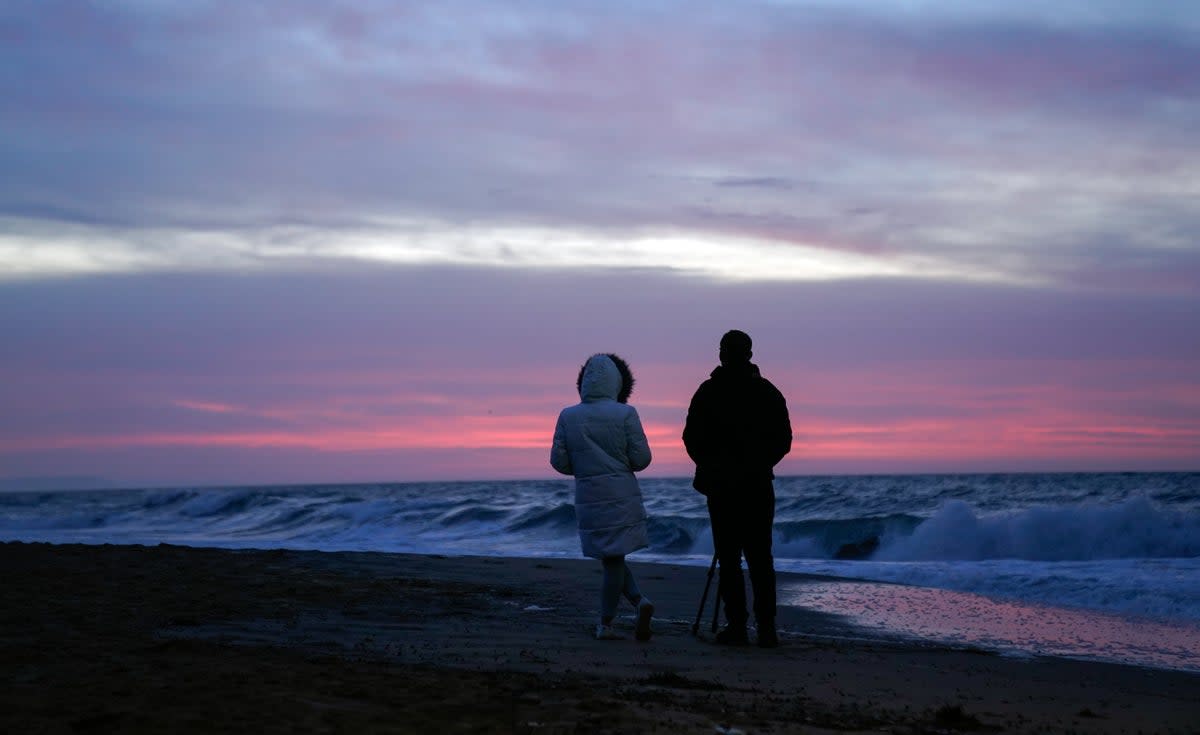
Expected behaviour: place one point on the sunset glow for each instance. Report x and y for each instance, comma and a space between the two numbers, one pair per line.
962, 238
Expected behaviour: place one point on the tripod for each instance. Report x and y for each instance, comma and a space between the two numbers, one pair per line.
704, 598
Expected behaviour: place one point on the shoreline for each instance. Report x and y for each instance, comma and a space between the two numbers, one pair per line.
169, 637
1176, 647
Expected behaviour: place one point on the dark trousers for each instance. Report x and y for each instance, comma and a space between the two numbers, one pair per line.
742, 519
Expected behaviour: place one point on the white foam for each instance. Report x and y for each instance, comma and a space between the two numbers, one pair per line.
1133, 529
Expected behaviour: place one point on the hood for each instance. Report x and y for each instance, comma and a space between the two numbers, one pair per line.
627, 380
601, 379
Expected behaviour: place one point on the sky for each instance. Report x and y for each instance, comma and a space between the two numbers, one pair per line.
300, 242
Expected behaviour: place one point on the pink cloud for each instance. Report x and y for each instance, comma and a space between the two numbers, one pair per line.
376, 378
206, 406
918, 418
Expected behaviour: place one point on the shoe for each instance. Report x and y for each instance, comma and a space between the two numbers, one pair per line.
767, 637
607, 633
733, 635
645, 611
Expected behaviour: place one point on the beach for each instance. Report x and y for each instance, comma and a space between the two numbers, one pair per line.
102, 638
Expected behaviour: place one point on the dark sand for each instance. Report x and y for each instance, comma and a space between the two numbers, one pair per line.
172, 639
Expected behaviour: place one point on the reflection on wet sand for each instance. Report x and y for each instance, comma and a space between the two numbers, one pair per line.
961, 618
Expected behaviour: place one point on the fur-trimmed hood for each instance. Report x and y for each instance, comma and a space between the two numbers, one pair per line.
625, 376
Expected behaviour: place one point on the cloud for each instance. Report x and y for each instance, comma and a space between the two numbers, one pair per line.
327, 223
982, 141
761, 182
735, 251
388, 362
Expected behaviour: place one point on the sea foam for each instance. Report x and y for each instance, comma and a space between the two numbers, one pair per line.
1117, 542
1133, 529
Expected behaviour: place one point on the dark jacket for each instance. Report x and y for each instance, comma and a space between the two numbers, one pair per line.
737, 429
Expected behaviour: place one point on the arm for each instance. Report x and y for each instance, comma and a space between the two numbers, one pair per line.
695, 429
637, 446
698, 441
780, 437
560, 459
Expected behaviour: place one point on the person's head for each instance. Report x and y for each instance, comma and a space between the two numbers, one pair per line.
735, 347
622, 368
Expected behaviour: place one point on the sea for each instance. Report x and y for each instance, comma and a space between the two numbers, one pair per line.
1099, 566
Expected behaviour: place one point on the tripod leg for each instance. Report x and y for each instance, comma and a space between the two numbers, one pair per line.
704, 598
716, 611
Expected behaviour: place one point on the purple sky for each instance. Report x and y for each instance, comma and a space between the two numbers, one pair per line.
326, 241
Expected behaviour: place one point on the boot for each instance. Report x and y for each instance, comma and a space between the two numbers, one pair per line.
767, 637
733, 635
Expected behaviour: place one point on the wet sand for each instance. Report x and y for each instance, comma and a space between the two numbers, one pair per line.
174, 639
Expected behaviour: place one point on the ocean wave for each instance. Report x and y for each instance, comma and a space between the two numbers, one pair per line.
851, 538
155, 500
676, 535
1134, 529
285, 521
476, 514
221, 503
1124, 543
560, 517
378, 512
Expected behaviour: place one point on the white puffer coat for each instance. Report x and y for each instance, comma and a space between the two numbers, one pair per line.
601, 443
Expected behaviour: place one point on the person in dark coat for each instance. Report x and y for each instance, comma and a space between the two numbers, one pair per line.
737, 430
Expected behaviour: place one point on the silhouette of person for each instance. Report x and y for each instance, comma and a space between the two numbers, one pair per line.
737, 430
601, 442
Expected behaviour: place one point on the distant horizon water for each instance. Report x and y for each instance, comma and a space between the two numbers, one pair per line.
57, 483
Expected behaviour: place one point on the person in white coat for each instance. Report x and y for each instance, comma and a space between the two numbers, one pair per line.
601, 442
